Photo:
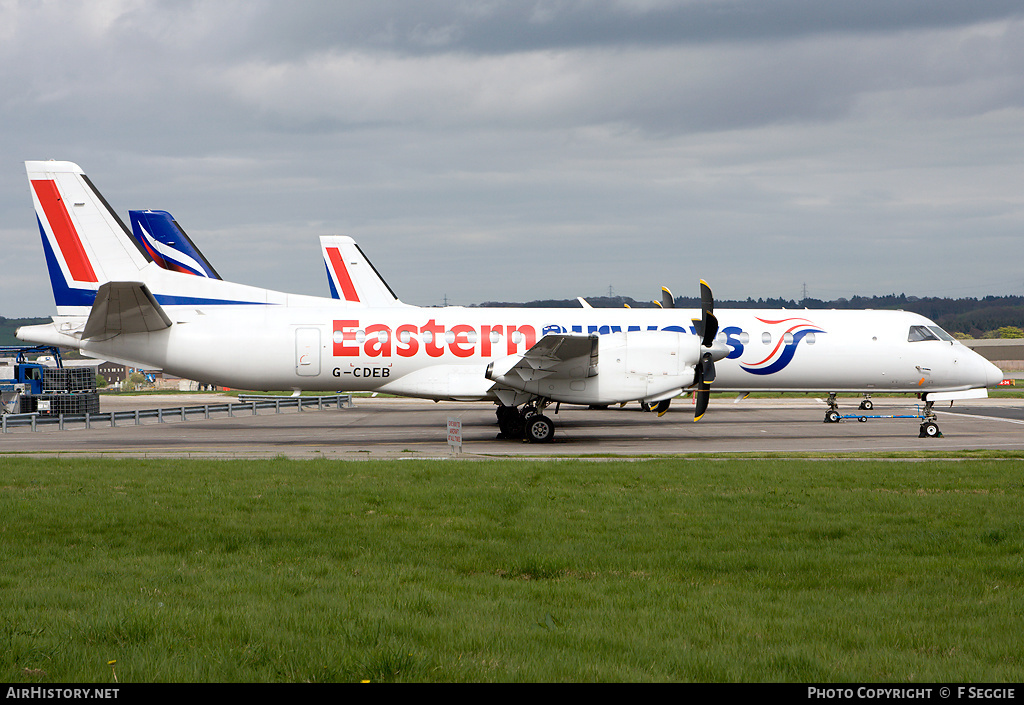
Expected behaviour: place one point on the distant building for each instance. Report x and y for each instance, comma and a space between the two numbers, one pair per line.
113, 372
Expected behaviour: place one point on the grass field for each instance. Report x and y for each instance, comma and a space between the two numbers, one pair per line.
655, 570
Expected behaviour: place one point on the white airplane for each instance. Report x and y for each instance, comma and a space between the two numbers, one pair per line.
115, 302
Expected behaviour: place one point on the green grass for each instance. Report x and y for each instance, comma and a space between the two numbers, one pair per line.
655, 570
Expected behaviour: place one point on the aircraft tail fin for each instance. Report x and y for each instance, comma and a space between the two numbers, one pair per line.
351, 276
85, 242
158, 233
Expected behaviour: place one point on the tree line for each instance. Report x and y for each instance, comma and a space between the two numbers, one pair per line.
971, 317
990, 316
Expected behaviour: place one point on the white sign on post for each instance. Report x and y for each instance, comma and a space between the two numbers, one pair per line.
455, 434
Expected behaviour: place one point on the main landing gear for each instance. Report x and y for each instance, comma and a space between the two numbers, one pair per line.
528, 423
929, 425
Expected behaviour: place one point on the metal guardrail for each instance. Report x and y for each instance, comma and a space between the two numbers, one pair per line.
247, 403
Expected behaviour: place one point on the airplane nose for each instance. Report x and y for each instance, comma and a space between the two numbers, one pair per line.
993, 375
981, 372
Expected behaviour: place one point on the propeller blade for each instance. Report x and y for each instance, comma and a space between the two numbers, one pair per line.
703, 398
709, 329
707, 301
707, 326
667, 300
707, 369
662, 407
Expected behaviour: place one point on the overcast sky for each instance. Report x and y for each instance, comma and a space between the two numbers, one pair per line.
491, 150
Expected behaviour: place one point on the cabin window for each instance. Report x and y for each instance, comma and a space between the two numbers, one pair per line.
920, 333
788, 338
810, 339
766, 338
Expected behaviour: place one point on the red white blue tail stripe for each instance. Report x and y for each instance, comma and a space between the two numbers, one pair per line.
168, 245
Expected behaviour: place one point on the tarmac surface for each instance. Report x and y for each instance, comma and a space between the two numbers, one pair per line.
407, 428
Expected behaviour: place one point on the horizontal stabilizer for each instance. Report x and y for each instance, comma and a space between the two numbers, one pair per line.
122, 308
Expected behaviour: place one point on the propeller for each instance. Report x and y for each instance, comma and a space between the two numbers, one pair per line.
704, 371
704, 375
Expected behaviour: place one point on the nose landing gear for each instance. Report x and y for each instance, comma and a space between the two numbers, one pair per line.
929, 425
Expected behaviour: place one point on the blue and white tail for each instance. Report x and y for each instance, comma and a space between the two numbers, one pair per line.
159, 234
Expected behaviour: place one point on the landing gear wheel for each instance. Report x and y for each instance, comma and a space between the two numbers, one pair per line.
539, 429
510, 424
831, 416
930, 429
867, 405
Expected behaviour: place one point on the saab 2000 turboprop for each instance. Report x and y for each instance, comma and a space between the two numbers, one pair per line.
116, 301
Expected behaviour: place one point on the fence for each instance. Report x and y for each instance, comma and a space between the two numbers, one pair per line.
250, 404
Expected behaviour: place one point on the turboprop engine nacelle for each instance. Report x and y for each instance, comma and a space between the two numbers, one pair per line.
615, 368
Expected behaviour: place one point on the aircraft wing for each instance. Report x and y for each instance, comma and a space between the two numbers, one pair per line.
556, 355
124, 307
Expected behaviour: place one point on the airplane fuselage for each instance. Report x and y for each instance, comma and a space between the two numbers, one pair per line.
443, 353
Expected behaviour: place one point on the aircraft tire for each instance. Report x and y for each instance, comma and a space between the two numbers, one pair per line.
831, 416
510, 424
539, 429
930, 429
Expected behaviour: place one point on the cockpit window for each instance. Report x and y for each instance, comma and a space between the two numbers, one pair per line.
919, 333
943, 335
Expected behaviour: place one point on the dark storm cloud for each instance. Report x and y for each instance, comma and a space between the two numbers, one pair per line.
492, 27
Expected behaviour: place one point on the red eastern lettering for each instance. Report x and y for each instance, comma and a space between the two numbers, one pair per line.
529, 334
377, 345
344, 332
435, 344
462, 339
411, 344
404, 341
485, 338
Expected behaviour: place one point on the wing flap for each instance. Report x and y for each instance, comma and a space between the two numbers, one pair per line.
555, 356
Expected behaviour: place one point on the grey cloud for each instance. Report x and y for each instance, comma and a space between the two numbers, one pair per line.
476, 148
